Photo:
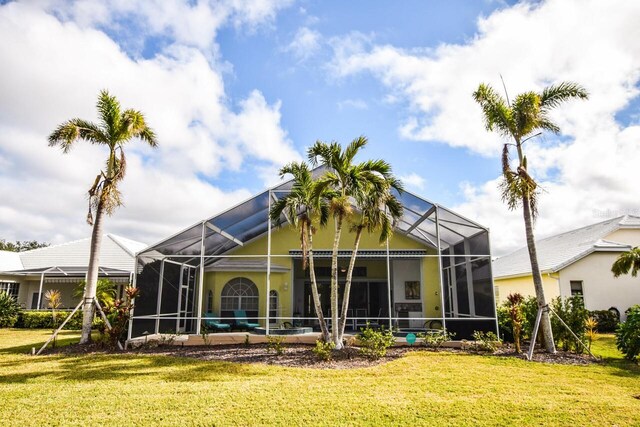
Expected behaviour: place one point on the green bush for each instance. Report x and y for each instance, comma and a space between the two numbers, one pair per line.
572, 311
607, 320
9, 310
628, 334
324, 350
435, 339
485, 341
44, 320
274, 342
374, 343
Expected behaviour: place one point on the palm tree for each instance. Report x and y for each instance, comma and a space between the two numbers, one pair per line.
627, 261
302, 207
528, 113
114, 129
345, 181
379, 210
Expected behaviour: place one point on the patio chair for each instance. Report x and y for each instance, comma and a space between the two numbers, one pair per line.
211, 322
241, 321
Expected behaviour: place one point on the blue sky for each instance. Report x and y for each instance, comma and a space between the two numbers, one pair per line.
237, 88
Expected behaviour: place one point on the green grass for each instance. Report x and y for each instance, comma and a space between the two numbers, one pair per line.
423, 388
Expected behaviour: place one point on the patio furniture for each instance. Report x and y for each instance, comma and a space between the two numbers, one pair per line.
241, 321
213, 323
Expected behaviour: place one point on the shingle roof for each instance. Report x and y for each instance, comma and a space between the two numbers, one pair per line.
557, 252
115, 252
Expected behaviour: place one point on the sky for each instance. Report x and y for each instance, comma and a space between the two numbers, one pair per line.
235, 89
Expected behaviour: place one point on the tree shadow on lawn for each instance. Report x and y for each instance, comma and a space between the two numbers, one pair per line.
122, 367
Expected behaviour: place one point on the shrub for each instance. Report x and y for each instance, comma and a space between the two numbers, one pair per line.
572, 311
118, 314
9, 310
485, 341
628, 334
274, 342
591, 326
324, 350
44, 320
529, 313
608, 321
433, 339
516, 318
374, 343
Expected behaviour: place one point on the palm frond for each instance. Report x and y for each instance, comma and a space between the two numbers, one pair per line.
554, 95
354, 146
109, 112
627, 262
497, 115
72, 130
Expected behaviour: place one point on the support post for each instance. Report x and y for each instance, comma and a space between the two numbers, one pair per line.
534, 334
389, 285
200, 281
106, 321
159, 302
268, 265
55, 333
40, 291
439, 249
134, 281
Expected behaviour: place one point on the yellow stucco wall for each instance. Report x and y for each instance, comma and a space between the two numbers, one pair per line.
286, 238
524, 286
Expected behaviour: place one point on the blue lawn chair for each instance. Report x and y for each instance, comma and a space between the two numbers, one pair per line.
241, 321
213, 323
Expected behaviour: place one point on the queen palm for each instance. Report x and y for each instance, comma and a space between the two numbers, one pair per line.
379, 210
529, 113
114, 129
303, 207
346, 182
627, 262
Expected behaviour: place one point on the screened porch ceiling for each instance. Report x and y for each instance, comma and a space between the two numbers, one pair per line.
248, 221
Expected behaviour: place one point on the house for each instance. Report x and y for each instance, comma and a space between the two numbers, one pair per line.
577, 262
435, 271
28, 275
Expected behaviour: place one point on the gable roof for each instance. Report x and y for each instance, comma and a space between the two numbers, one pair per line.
248, 221
559, 251
115, 253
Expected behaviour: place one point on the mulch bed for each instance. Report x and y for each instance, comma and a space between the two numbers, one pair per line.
301, 356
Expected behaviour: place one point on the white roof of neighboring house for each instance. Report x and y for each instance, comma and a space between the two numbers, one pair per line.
115, 252
10, 261
557, 252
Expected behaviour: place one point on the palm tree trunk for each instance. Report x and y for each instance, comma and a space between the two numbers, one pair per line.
314, 288
547, 333
334, 284
347, 285
92, 276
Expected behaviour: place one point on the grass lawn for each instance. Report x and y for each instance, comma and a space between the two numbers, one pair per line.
423, 388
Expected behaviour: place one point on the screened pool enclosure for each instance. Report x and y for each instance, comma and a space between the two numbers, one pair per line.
435, 272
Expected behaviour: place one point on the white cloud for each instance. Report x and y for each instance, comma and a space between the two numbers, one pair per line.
53, 71
306, 42
532, 45
413, 180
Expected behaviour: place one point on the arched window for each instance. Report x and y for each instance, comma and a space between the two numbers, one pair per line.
239, 294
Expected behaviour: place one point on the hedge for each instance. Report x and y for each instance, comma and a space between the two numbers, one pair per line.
44, 320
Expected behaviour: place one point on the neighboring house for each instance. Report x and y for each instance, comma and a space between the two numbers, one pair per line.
577, 262
237, 260
28, 275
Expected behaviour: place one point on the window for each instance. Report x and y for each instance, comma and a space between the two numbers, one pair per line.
576, 288
210, 302
12, 288
273, 304
239, 294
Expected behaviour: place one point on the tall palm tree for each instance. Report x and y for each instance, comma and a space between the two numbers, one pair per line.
114, 129
529, 113
303, 207
627, 261
346, 182
379, 210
